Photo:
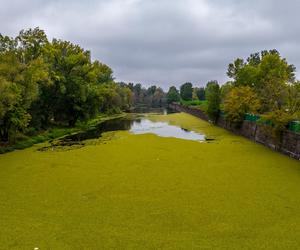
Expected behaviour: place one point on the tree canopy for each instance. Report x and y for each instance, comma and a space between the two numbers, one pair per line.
212, 95
186, 91
44, 82
173, 95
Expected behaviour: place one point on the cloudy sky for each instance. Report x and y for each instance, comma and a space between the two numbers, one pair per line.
164, 41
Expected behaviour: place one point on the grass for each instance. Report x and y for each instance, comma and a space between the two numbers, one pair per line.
148, 192
202, 105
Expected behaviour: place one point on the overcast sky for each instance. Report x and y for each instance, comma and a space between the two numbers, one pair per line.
164, 42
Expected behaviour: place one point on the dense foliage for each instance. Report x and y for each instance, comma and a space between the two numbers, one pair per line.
173, 95
152, 97
43, 82
271, 82
212, 94
200, 93
238, 102
186, 91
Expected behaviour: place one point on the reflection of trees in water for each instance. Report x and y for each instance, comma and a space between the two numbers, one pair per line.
136, 121
110, 125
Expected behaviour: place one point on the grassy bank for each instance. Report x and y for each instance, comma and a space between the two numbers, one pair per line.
54, 132
202, 105
148, 192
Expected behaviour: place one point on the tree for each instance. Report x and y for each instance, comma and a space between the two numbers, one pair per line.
186, 91
212, 95
173, 95
267, 73
274, 73
235, 67
13, 115
159, 98
19, 88
238, 102
293, 99
225, 89
32, 42
70, 73
42, 82
200, 93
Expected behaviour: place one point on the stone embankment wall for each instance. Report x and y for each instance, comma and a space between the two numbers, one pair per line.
289, 145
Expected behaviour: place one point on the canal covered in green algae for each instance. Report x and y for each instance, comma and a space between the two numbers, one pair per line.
139, 187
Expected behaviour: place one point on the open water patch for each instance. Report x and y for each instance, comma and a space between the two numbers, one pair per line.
164, 129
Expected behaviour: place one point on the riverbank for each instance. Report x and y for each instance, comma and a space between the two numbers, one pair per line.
55, 132
290, 141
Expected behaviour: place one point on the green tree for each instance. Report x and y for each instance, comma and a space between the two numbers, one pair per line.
173, 95
31, 43
268, 73
13, 115
42, 82
212, 95
293, 99
200, 93
186, 91
19, 82
70, 68
225, 89
274, 73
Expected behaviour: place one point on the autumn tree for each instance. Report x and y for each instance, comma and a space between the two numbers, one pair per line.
238, 102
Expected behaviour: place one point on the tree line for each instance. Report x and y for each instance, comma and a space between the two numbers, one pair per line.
46, 82
263, 84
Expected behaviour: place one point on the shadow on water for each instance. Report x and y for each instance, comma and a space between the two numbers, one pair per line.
134, 124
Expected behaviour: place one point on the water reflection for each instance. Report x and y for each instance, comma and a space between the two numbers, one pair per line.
96, 132
163, 129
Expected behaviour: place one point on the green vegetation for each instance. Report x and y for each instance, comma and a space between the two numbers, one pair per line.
263, 85
172, 194
238, 102
152, 97
202, 105
271, 82
55, 132
192, 102
173, 95
200, 93
212, 95
186, 91
45, 83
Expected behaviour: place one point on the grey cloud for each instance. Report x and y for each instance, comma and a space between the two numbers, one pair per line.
163, 41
